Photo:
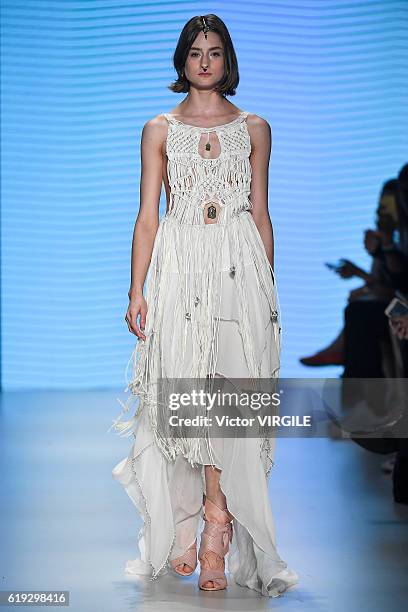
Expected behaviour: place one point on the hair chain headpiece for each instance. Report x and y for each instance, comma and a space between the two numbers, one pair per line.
205, 26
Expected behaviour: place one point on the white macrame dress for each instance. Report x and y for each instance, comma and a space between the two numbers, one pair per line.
213, 309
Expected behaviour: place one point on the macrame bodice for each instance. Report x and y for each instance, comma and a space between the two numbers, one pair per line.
200, 181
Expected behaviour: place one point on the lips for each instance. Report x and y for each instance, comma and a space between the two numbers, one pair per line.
204, 74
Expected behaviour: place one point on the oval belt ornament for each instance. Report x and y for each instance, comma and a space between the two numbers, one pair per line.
211, 211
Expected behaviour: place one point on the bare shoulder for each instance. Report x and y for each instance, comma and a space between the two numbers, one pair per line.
155, 130
259, 130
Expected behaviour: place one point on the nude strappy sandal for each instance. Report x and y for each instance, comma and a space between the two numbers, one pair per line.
189, 558
216, 538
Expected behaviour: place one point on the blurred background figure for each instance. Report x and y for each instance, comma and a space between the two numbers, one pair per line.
399, 327
356, 346
368, 350
372, 344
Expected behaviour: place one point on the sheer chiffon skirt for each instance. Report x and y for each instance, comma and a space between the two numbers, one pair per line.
169, 494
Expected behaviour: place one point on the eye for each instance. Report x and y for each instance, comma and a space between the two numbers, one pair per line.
193, 53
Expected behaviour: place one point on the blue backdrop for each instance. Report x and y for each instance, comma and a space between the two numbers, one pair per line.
80, 78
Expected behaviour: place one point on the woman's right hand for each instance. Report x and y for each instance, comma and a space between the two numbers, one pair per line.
347, 269
137, 306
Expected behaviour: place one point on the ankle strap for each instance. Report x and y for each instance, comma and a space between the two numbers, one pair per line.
225, 510
216, 538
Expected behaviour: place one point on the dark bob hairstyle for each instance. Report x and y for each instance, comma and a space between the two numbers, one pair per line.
189, 33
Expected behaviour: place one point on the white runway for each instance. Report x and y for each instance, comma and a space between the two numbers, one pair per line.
67, 525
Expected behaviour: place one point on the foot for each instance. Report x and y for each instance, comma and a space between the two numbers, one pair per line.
215, 541
186, 563
184, 569
324, 358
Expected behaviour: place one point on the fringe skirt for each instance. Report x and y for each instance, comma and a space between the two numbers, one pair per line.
213, 310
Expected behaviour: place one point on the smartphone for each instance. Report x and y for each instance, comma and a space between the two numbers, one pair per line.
396, 308
333, 266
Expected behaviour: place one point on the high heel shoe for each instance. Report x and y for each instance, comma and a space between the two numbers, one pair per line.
326, 357
215, 538
188, 558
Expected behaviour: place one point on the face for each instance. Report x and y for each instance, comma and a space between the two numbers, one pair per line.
204, 66
387, 214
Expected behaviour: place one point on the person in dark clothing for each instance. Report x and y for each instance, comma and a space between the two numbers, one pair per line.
379, 282
400, 471
372, 367
365, 326
365, 322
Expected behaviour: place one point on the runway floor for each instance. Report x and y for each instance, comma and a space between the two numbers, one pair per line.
67, 525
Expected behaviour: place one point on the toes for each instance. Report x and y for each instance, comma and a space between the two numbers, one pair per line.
209, 584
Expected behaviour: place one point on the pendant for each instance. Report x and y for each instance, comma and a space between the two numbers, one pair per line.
211, 212
208, 146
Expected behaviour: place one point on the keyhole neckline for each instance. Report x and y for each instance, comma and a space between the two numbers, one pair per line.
199, 136
207, 129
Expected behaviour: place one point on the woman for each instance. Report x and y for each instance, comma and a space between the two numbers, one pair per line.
366, 325
211, 311
369, 300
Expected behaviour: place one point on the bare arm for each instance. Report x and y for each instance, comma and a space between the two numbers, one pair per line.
261, 142
153, 134
148, 217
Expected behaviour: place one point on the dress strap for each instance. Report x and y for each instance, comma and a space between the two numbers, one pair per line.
169, 118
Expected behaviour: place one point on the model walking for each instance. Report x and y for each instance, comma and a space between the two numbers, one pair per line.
211, 310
